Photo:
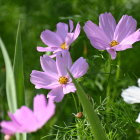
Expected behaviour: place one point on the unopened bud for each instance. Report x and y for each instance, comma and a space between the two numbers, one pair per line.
79, 115
7, 137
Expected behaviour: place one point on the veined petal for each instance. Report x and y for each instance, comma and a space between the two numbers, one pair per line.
71, 25
125, 27
112, 52
92, 30
46, 49
66, 59
49, 66
69, 88
62, 30
69, 38
98, 43
108, 24
43, 80
79, 68
131, 95
134, 37
77, 31
57, 94
60, 65
43, 111
51, 39
122, 47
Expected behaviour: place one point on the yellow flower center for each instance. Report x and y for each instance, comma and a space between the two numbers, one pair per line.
63, 80
63, 46
113, 43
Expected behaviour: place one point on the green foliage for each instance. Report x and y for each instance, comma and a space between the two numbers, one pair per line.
36, 16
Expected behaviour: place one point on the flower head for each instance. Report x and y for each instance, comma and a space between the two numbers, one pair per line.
110, 36
55, 75
25, 120
61, 39
132, 95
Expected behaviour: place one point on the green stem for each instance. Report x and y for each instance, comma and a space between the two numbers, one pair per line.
108, 95
75, 102
118, 66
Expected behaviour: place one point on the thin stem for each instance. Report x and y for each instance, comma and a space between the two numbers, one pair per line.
108, 95
118, 66
75, 103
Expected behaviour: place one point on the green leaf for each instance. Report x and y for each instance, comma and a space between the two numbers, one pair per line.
18, 69
10, 81
92, 117
18, 73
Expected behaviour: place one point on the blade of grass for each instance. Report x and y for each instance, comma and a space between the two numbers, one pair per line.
18, 69
10, 82
18, 72
93, 119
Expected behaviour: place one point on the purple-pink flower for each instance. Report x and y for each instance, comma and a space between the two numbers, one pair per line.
24, 120
61, 39
111, 36
55, 75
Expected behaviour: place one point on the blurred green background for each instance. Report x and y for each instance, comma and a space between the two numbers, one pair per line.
36, 16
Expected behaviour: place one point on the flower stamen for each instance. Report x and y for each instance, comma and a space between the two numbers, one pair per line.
63, 46
63, 80
113, 43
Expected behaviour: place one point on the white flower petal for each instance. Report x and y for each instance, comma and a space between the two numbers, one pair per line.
131, 95
138, 119
139, 82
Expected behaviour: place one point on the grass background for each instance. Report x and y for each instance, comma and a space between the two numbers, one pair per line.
39, 15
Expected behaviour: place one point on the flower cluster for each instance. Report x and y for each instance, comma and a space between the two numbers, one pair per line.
107, 36
54, 76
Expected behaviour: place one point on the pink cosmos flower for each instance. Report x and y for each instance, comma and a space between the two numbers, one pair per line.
25, 120
55, 75
61, 39
111, 36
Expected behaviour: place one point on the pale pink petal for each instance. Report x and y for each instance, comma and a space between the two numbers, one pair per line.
46, 49
69, 38
98, 43
60, 65
7, 131
134, 37
62, 30
51, 39
71, 25
57, 94
66, 59
49, 66
112, 53
69, 88
43, 111
77, 31
79, 68
27, 119
125, 27
108, 24
43, 80
122, 47
92, 30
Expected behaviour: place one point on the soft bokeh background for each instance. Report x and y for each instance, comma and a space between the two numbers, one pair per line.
36, 16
